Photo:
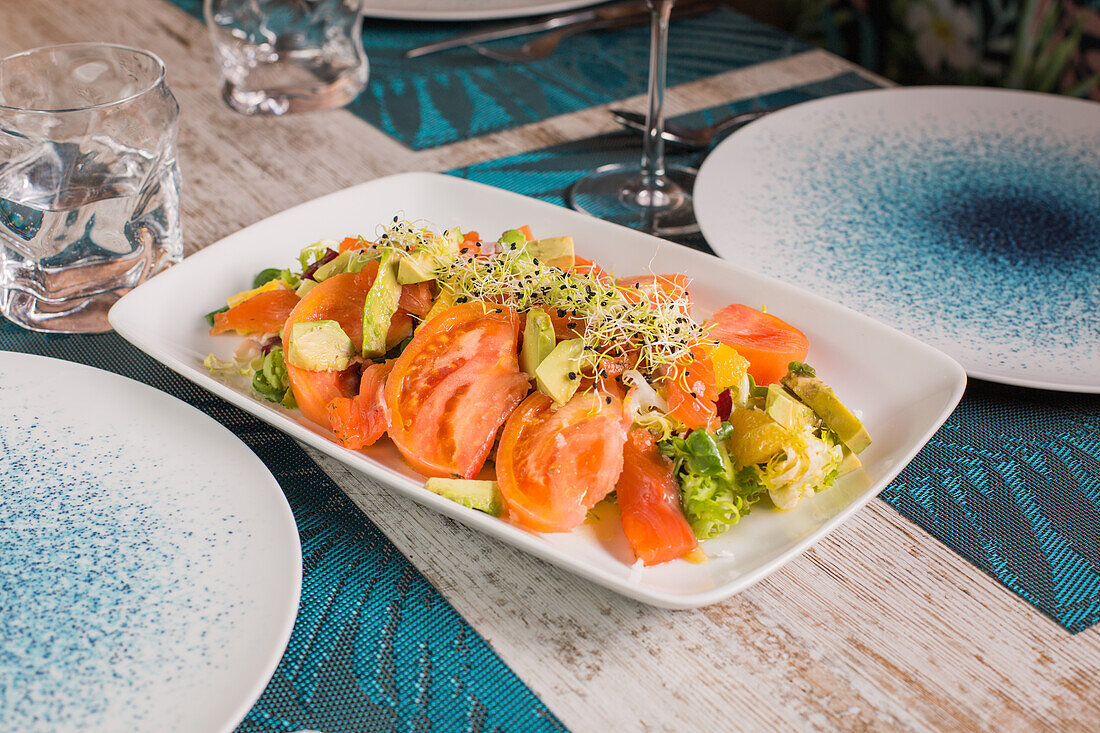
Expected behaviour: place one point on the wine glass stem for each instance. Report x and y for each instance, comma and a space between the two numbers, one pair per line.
653, 146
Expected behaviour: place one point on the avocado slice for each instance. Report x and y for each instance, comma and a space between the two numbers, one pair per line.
786, 410
319, 346
558, 376
380, 305
305, 286
556, 251
538, 340
822, 400
484, 496
415, 268
335, 266
513, 239
848, 463
444, 300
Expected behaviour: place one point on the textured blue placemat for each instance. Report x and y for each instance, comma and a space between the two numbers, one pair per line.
374, 647
1011, 481
455, 95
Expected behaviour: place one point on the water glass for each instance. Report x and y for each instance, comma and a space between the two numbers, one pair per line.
280, 56
89, 185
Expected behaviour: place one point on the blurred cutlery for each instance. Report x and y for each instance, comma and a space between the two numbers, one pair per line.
692, 137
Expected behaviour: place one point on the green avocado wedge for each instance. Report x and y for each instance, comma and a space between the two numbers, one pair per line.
484, 496
558, 376
538, 340
319, 346
379, 306
820, 398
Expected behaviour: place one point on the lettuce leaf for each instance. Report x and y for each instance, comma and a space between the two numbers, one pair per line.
714, 495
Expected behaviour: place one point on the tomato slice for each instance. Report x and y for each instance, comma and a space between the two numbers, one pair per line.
453, 386
339, 298
264, 312
770, 344
691, 391
361, 420
649, 502
555, 465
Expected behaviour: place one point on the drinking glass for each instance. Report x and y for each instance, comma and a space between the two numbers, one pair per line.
89, 186
280, 56
649, 196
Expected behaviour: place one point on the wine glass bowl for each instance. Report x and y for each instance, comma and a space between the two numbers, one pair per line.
649, 196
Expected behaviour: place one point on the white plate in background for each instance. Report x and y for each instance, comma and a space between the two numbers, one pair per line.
903, 388
969, 218
465, 9
151, 565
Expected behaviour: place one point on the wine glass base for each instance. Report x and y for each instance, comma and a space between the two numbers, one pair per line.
615, 193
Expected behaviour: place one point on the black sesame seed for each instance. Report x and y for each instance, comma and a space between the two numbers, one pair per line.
609, 400
572, 375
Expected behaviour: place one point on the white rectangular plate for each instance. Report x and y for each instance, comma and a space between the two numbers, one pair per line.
903, 388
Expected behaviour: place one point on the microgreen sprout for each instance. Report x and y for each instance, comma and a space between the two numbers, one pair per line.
645, 327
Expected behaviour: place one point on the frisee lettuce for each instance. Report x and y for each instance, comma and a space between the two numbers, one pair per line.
714, 494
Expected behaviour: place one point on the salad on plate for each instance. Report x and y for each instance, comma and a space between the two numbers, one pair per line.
527, 382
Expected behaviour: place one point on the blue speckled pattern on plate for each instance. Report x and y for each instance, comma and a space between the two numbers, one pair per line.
132, 582
967, 218
374, 647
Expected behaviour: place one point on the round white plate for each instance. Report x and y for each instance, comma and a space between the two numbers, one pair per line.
969, 218
466, 10
151, 565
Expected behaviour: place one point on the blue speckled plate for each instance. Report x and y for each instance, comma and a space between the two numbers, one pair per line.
150, 566
969, 218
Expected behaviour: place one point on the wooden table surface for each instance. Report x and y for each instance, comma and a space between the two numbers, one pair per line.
878, 627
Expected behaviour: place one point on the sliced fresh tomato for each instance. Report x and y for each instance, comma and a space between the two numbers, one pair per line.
361, 420
691, 392
555, 465
649, 502
453, 386
314, 390
770, 344
265, 312
339, 298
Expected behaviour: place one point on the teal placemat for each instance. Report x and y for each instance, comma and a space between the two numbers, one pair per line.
458, 94
1011, 481
374, 647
